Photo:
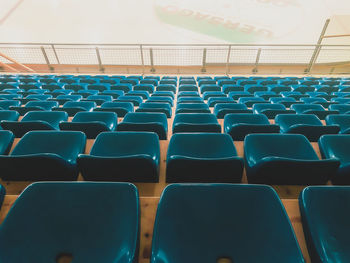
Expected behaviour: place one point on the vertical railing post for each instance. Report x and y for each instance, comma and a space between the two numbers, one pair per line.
204, 60
46, 59
255, 69
228, 60
142, 60
151, 59
100, 66
317, 48
56, 56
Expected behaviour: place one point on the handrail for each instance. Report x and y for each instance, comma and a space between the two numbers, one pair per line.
16, 62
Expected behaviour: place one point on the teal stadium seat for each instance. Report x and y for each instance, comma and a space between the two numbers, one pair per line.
325, 219
123, 156
196, 122
285, 159
69, 218
44, 155
203, 157
212, 222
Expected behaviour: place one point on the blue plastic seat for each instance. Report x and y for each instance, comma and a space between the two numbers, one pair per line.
294, 94
227, 88
221, 109
213, 94
239, 125
192, 108
46, 105
6, 140
341, 108
123, 156
207, 222
35, 121
278, 88
10, 96
144, 87
190, 100
342, 100
271, 110
144, 94
209, 88
203, 157
114, 93
120, 108
156, 107
100, 99
166, 87
337, 147
136, 100
44, 155
91, 123
285, 159
213, 101
125, 87
254, 88
236, 95
250, 101
146, 122
307, 124
168, 100
100, 87
153, 82
67, 218
303, 88
167, 82
342, 120
325, 218
6, 104
286, 101
167, 94
315, 109
62, 99
73, 107
8, 115
187, 87
196, 122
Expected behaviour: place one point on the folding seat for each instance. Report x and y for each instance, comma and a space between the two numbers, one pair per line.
188, 214
168, 100
214, 100
136, 100
250, 101
209, 83
6, 140
325, 219
73, 107
286, 101
192, 108
267, 82
341, 108
203, 157
62, 99
288, 82
35, 121
166, 87
209, 88
35, 106
236, 95
330, 82
27, 87
138, 77
341, 120
188, 94
307, 124
303, 89
144, 87
114, 93
99, 99
131, 81
99, 87
255, 88
309, 82
28, 81
120, 108
341, 100
75, 87
145, 122
324, 95
167, 82
6, 104
196, 122
221, 109
315, 109
125, 156
190, 100
163, 94
327, 89
188, 87
271, 110
344, 88
4, 86
213, 94
10, 96
337, 147
227, 88
150, 82
199, 78
156, 107
123, 87
87, 81
222, 82
83, 202
285, 159
51, 87
238, 125
243, 82
109, 81
67, 80
91, 123
44, 155
142, 93
8, 115
187, 82
317, 100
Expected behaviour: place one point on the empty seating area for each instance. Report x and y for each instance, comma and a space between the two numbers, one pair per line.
189, 168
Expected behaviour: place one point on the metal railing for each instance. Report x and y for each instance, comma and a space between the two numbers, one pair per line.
149, 57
